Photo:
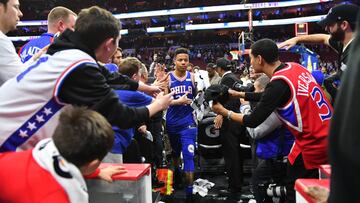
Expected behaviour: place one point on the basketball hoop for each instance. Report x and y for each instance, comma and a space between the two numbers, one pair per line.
301, 29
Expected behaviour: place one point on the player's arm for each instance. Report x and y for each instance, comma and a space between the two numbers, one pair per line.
314, 38
183, 100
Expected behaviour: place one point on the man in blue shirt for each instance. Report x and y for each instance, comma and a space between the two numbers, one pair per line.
123, 137
59, 19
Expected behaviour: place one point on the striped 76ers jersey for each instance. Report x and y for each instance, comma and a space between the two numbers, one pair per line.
29, 103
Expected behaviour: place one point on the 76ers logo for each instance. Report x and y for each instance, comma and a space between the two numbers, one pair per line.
191, 148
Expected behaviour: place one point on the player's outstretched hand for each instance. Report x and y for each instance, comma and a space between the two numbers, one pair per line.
184, 100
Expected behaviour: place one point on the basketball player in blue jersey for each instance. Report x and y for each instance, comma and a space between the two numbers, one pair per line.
180, 123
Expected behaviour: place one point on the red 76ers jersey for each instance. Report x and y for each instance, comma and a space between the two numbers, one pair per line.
307, 115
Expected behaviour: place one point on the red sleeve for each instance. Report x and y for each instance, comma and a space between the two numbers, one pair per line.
93, 175
56, 197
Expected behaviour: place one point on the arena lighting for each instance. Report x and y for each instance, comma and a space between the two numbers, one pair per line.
211, 26
234, 7
23, 38
27, 38
124, 32
32, 23
155, 29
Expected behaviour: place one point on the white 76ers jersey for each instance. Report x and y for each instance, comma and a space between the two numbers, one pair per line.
29, 104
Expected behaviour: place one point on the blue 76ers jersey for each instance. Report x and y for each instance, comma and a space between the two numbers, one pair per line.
35, 45
180, 115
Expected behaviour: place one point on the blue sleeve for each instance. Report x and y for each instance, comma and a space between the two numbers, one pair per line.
23, 53
34, 46
122, 140
134, 98
111, 67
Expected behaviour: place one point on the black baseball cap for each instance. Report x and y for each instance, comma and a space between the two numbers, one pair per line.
342, 12
223, 63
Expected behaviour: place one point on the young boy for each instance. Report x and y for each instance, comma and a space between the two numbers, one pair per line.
53, 171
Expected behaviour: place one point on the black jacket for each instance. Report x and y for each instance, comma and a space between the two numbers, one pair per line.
229, 80
344, 136
233, 105
89, 85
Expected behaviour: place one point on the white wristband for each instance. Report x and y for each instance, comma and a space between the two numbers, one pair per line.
229, 115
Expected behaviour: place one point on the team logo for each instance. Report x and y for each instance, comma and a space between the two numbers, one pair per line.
212, 132
191, 148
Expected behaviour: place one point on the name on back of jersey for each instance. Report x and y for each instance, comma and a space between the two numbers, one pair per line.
31, 51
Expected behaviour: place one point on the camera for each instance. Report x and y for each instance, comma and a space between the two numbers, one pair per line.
217, 93
238, 86
275, 190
